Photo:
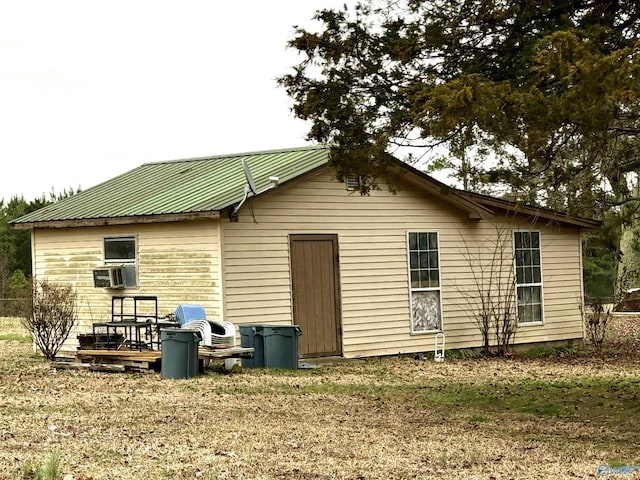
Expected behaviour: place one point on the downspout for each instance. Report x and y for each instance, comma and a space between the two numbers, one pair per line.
582, 307
223, 292
33, 251
33, 276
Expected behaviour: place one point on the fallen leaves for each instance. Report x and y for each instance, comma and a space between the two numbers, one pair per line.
351, 421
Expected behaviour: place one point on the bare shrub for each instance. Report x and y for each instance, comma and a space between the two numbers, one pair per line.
491, 296
53, 316
595, 317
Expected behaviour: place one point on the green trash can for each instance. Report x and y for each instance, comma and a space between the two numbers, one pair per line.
275, 346
249, 338
179, 352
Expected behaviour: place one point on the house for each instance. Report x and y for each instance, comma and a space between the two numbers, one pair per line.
361, 275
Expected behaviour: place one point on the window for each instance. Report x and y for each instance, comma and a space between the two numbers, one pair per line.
424, 284
122, 251
528, 277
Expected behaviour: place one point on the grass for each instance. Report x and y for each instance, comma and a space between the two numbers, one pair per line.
616, 400
479, 419
617, 462
548, 415
11, 330
547, 352
582, 398
459, 354
15, 337
47, 470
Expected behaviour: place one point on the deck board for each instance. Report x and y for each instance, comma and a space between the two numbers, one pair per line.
149, 359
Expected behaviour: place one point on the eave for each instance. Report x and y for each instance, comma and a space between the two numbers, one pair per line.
583, 223
450, 196
110, 221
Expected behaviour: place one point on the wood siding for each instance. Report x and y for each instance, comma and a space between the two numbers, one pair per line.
316, 297
372, 232
177, 262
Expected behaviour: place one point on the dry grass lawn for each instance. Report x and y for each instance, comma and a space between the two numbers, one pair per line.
559, 415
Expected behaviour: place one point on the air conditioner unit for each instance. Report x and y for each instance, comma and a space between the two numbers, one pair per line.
109, 276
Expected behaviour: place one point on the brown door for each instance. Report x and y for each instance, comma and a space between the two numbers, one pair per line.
315, 290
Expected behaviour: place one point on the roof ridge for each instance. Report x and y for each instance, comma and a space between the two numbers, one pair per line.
240, 154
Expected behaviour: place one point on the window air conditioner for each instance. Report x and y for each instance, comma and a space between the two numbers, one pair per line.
109, 276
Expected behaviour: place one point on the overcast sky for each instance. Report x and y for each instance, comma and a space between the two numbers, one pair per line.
91, 89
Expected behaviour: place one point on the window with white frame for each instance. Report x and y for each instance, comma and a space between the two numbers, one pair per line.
424, 282
528, 277
123, 251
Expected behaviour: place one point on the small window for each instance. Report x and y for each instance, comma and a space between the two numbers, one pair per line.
120, 249
424, 282
123, 251
528, 266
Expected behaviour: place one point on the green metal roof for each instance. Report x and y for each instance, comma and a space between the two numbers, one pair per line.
202, 187
207, 184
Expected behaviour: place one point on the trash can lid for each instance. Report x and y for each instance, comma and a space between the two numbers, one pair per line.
181, 332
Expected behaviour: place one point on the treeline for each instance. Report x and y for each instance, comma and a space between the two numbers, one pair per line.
600, 258
15, 252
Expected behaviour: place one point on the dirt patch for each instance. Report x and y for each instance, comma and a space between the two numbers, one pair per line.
387, 418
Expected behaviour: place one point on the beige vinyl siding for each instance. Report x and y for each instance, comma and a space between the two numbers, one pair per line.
374, 282
561, 280
561, 287
177, 262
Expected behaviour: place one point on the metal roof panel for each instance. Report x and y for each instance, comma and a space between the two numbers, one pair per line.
181, 186
198, 187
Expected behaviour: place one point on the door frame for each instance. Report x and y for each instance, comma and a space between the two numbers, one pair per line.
336, 279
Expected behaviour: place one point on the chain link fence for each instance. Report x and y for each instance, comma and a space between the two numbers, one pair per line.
15, 307
10, 321
12, 325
